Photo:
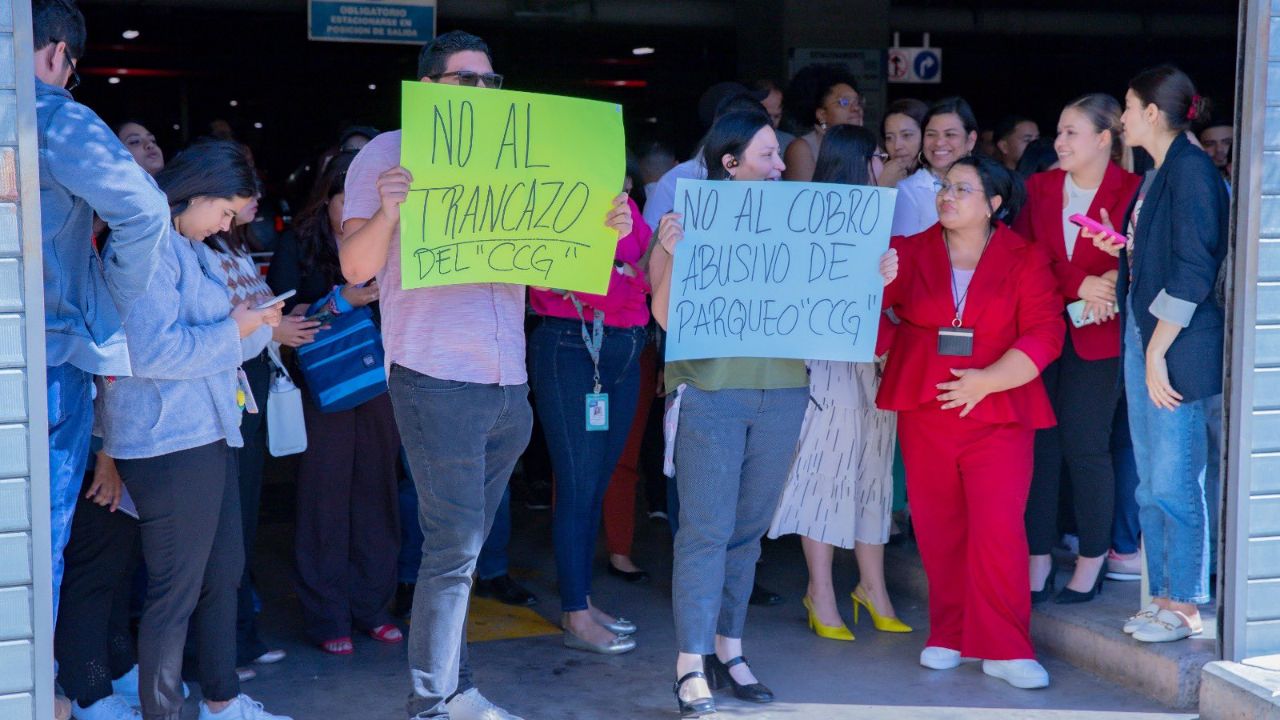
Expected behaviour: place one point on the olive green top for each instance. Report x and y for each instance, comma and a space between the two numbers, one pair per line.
737, 373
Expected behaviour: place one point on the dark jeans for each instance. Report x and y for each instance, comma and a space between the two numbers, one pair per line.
93, 644
189, 505
1084, 394
463, 440
493, 561
253, 428
348, 530
70, 403
1125, 529
582, 461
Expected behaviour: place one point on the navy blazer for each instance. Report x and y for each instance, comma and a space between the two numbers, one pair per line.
1178, 247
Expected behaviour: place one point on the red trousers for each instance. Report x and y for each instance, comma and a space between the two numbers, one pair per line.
968, 482
620, 497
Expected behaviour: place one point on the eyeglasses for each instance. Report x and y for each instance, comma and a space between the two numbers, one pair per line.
881, 155
847, 101
472, 79
960, 190
74, 81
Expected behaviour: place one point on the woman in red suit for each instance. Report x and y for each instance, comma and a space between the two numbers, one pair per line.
981, 318
1082, 384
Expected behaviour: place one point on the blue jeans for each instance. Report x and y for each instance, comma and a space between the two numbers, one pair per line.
462, 440
733, 451
493, 561
583, 461
1125, 527
70, 396
1172, 449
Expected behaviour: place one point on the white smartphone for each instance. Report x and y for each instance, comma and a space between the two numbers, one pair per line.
1078, 318
279, 298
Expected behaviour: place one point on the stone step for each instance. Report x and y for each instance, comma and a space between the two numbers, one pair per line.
1089, 636
1235, 691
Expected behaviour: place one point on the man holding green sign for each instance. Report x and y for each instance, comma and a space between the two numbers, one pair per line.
493, 208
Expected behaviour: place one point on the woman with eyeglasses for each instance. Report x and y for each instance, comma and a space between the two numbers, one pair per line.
840, 491
173, 427
819, 97
347, 525
981, 317
950, 133
1083, 383
902, 131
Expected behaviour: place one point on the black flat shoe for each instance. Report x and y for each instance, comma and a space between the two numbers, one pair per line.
720, 678
696, 707
507, 591
638, 576
761, 595
1072, 597
1044, 593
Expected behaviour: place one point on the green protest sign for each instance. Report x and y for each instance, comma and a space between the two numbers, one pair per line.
508, 187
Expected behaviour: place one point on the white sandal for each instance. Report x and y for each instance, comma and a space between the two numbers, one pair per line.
1168, 625
1144, 616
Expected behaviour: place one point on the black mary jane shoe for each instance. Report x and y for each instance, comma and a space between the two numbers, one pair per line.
1044, 593
696, 707
720, 678
637, 576
1072, 597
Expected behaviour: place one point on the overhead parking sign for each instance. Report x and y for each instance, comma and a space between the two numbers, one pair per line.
914, 65
411, 22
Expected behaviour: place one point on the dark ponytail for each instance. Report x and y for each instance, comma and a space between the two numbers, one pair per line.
1173, 93
997, 181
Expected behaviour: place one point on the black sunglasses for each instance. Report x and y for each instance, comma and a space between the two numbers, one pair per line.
74, 81
472, 79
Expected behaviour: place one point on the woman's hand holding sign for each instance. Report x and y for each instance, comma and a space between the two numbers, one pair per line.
619, 217
889, 265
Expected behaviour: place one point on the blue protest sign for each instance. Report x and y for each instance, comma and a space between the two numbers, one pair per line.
778, 269
381, 21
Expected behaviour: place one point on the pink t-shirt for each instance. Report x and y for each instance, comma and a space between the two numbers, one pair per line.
468, 333
624, 304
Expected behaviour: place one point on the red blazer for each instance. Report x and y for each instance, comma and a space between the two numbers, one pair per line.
1013, 302
1041, 222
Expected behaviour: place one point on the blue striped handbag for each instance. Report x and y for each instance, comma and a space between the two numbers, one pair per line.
343, 368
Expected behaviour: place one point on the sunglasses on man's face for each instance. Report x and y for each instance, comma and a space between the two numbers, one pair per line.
471, 79
74, 81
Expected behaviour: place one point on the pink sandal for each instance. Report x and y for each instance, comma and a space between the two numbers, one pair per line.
338, 646
388, 633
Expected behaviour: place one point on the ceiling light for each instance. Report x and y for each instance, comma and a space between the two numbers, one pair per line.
176, 126
113, 81
642, 51
235, 103
372, 86
257, 126
130, 34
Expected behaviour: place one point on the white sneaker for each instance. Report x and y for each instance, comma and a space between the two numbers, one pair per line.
1144, 616
1167, 627
471, 705
1024, 674
111, 707
939, 658
126, 686
242, 708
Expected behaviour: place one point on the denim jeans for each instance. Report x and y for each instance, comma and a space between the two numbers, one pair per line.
582, 461
70, 396
733, 451
462, 441
1172, 449
493, 561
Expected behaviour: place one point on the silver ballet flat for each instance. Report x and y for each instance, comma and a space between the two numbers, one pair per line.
621, 626
615, 646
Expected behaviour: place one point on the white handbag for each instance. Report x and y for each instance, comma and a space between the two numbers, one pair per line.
286, 428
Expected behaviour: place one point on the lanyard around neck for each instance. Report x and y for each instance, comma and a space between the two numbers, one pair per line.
595, 340
957, 298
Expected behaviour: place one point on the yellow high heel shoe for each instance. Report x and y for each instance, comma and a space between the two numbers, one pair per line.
830, 632
882, 623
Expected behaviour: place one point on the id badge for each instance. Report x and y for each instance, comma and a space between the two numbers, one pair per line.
597, 411
244, 393
955, 341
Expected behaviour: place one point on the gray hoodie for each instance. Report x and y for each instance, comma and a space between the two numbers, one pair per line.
185, 350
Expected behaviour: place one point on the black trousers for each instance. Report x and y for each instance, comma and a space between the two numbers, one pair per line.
93, 644
253, 428
189, 504
347, 530
1084, 395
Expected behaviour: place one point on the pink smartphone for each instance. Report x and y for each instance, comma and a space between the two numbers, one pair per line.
1094, 226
